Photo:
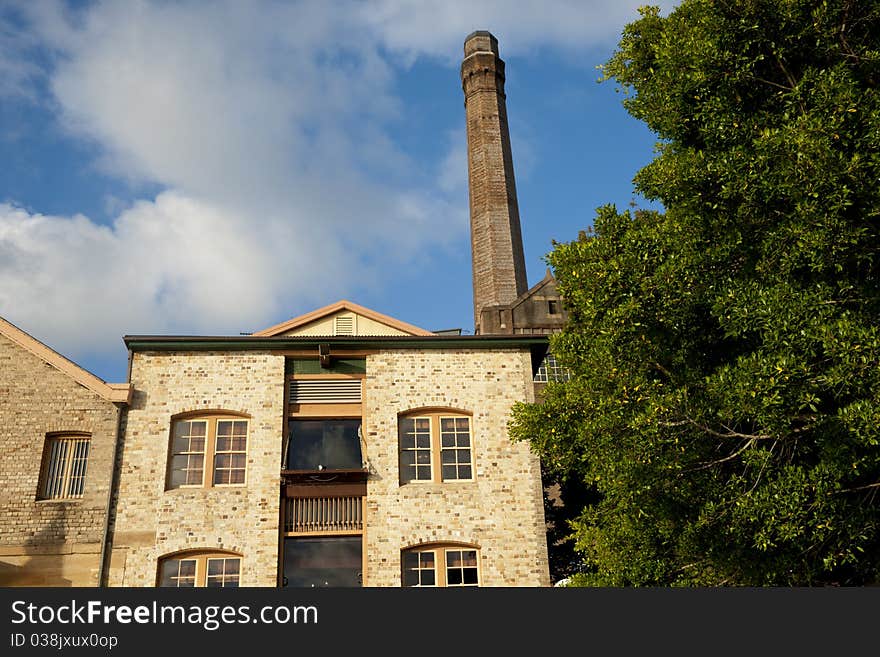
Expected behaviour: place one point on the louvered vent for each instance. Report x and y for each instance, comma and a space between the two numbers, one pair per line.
344, 325
336, 391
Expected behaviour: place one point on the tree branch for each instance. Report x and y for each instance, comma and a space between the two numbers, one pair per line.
730, 457
857, 488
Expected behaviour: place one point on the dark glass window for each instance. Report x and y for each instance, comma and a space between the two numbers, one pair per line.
325, 561
324, 445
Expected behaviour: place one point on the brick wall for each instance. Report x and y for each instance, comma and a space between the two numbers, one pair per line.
501, 511
499, 271
152, 522
49, 542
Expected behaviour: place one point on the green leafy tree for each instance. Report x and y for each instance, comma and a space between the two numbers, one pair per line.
724, 403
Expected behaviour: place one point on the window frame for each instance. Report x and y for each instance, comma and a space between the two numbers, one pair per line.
67, 476
201, 559
210, 452
435, 417
441, 568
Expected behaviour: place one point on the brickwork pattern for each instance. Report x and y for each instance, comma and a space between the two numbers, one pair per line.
48, 542
499, 271
151, 522
501, 511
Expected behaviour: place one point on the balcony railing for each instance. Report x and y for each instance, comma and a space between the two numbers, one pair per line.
323, 515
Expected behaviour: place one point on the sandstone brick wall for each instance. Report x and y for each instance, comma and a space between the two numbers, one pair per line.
151, 522
501, 511
49, 542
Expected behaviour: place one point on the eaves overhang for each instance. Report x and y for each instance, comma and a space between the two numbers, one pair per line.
536, 344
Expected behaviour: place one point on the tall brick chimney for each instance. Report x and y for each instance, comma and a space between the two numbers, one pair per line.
499, 268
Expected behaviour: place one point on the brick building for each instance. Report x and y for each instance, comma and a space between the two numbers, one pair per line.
58, 428
340, 448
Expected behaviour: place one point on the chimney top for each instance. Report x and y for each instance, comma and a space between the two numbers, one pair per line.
480, 41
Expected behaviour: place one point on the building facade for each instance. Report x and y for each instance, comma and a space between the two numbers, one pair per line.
296, 458
339, 448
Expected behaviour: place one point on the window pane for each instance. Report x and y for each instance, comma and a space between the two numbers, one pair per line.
407, 458
331, 444
469, 576
178, 573
447, 456
325, 561
410, 577
453, 577
198, 428
449, 472
418, 568
447, 424
464, 472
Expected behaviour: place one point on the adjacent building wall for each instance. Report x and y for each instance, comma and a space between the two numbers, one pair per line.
49, 542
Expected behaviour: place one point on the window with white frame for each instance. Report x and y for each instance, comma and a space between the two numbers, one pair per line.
440, 565
435, 446
193, 569
208, 450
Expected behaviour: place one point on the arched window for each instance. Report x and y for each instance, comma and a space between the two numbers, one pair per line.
208, 449
200, 569
440, 565
435, 445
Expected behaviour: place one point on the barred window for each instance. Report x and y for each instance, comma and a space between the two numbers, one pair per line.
65, 461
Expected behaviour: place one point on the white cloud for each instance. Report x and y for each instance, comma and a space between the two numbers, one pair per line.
417, 27
270, 126
153, 270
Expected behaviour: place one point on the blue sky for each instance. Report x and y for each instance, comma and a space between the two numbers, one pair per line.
215, 168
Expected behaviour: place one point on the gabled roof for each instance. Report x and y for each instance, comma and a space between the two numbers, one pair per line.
112, 392
548, 278
340, 306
